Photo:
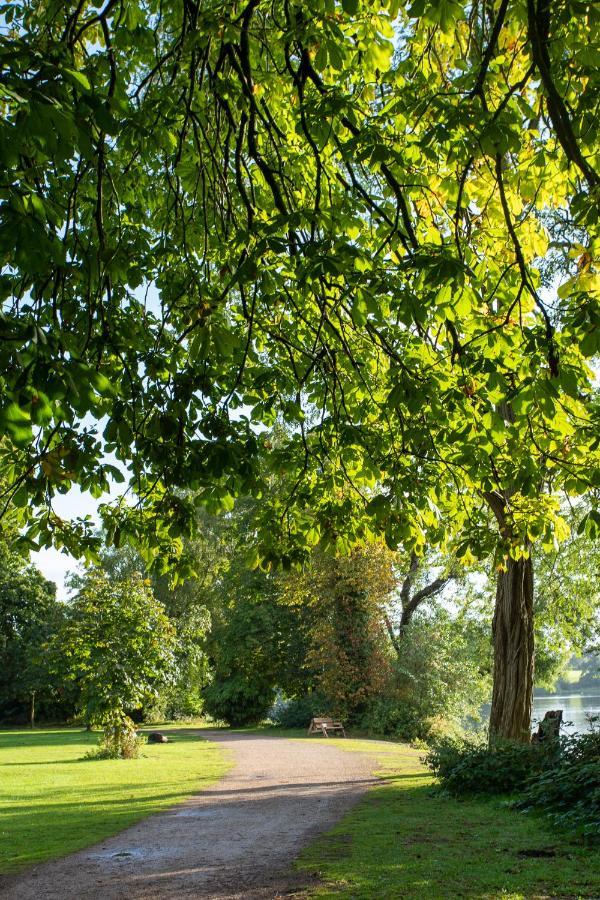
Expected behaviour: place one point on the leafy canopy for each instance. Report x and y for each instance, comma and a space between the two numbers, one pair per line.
345, 217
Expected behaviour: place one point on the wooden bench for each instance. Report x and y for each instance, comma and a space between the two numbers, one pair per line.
324, 726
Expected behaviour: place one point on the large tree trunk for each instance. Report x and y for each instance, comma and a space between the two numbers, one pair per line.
512, 697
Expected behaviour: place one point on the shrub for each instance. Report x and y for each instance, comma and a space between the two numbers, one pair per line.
470, 766
297, 713
559, 778
392, 715
237, 701
176, 702
120, 740
436, 681
569, 790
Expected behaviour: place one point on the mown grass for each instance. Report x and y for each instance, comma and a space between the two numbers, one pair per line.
53, 802
404, 840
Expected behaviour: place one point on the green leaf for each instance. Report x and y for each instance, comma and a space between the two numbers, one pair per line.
417, 9
77, 78
590, 344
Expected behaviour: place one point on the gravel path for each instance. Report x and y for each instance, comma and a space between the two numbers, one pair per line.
237, 839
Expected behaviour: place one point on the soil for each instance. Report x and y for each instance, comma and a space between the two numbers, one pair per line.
237, 839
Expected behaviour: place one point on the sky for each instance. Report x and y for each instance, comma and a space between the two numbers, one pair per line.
54, 564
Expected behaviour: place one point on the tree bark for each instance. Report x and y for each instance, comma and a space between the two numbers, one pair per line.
512, 697
32, 710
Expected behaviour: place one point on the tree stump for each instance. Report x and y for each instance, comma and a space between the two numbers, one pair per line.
549, 727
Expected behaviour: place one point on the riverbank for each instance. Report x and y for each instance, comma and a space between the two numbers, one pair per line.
577, 705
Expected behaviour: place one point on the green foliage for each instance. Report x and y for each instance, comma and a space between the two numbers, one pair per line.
245, 650
120, 740
566, 598
440, 678
469, 765
186, 604
338, 602
237, 700
29, 616
118, 647
567, 602
298, 712
256, 642
218, 219
569, 790
322, 233
558, 778
590, 668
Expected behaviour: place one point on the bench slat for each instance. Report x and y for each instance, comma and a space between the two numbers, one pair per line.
321, 725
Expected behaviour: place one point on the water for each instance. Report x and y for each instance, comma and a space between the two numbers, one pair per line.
576, 705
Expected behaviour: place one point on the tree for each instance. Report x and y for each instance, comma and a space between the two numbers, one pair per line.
358, 244
245, 653
339, 604
29, 616
439, 680
564, 610
118, 646
567, 603
256, 643
186, 604
418, 586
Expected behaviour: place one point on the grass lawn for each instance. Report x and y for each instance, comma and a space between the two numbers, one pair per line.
404, 841
53, 802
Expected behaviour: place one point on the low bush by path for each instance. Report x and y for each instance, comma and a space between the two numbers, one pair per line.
52, 801
405, 840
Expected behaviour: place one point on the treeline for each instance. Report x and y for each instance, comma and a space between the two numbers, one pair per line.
390, 642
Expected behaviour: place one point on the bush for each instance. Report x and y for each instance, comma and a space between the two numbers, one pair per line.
470, 766
174, 703
297, 713
394, 716
559, 778
120, 740
569, 790
237, 702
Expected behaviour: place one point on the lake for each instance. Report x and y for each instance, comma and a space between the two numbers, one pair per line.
576, 705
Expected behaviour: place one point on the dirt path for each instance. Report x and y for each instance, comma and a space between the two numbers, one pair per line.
237, 839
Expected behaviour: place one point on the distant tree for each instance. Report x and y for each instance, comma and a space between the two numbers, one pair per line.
567, 603
590, 668
29, 615
258, 637
421, 580
244, 654
186, 604
247, 644
345, 598
440, 678
119, 648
